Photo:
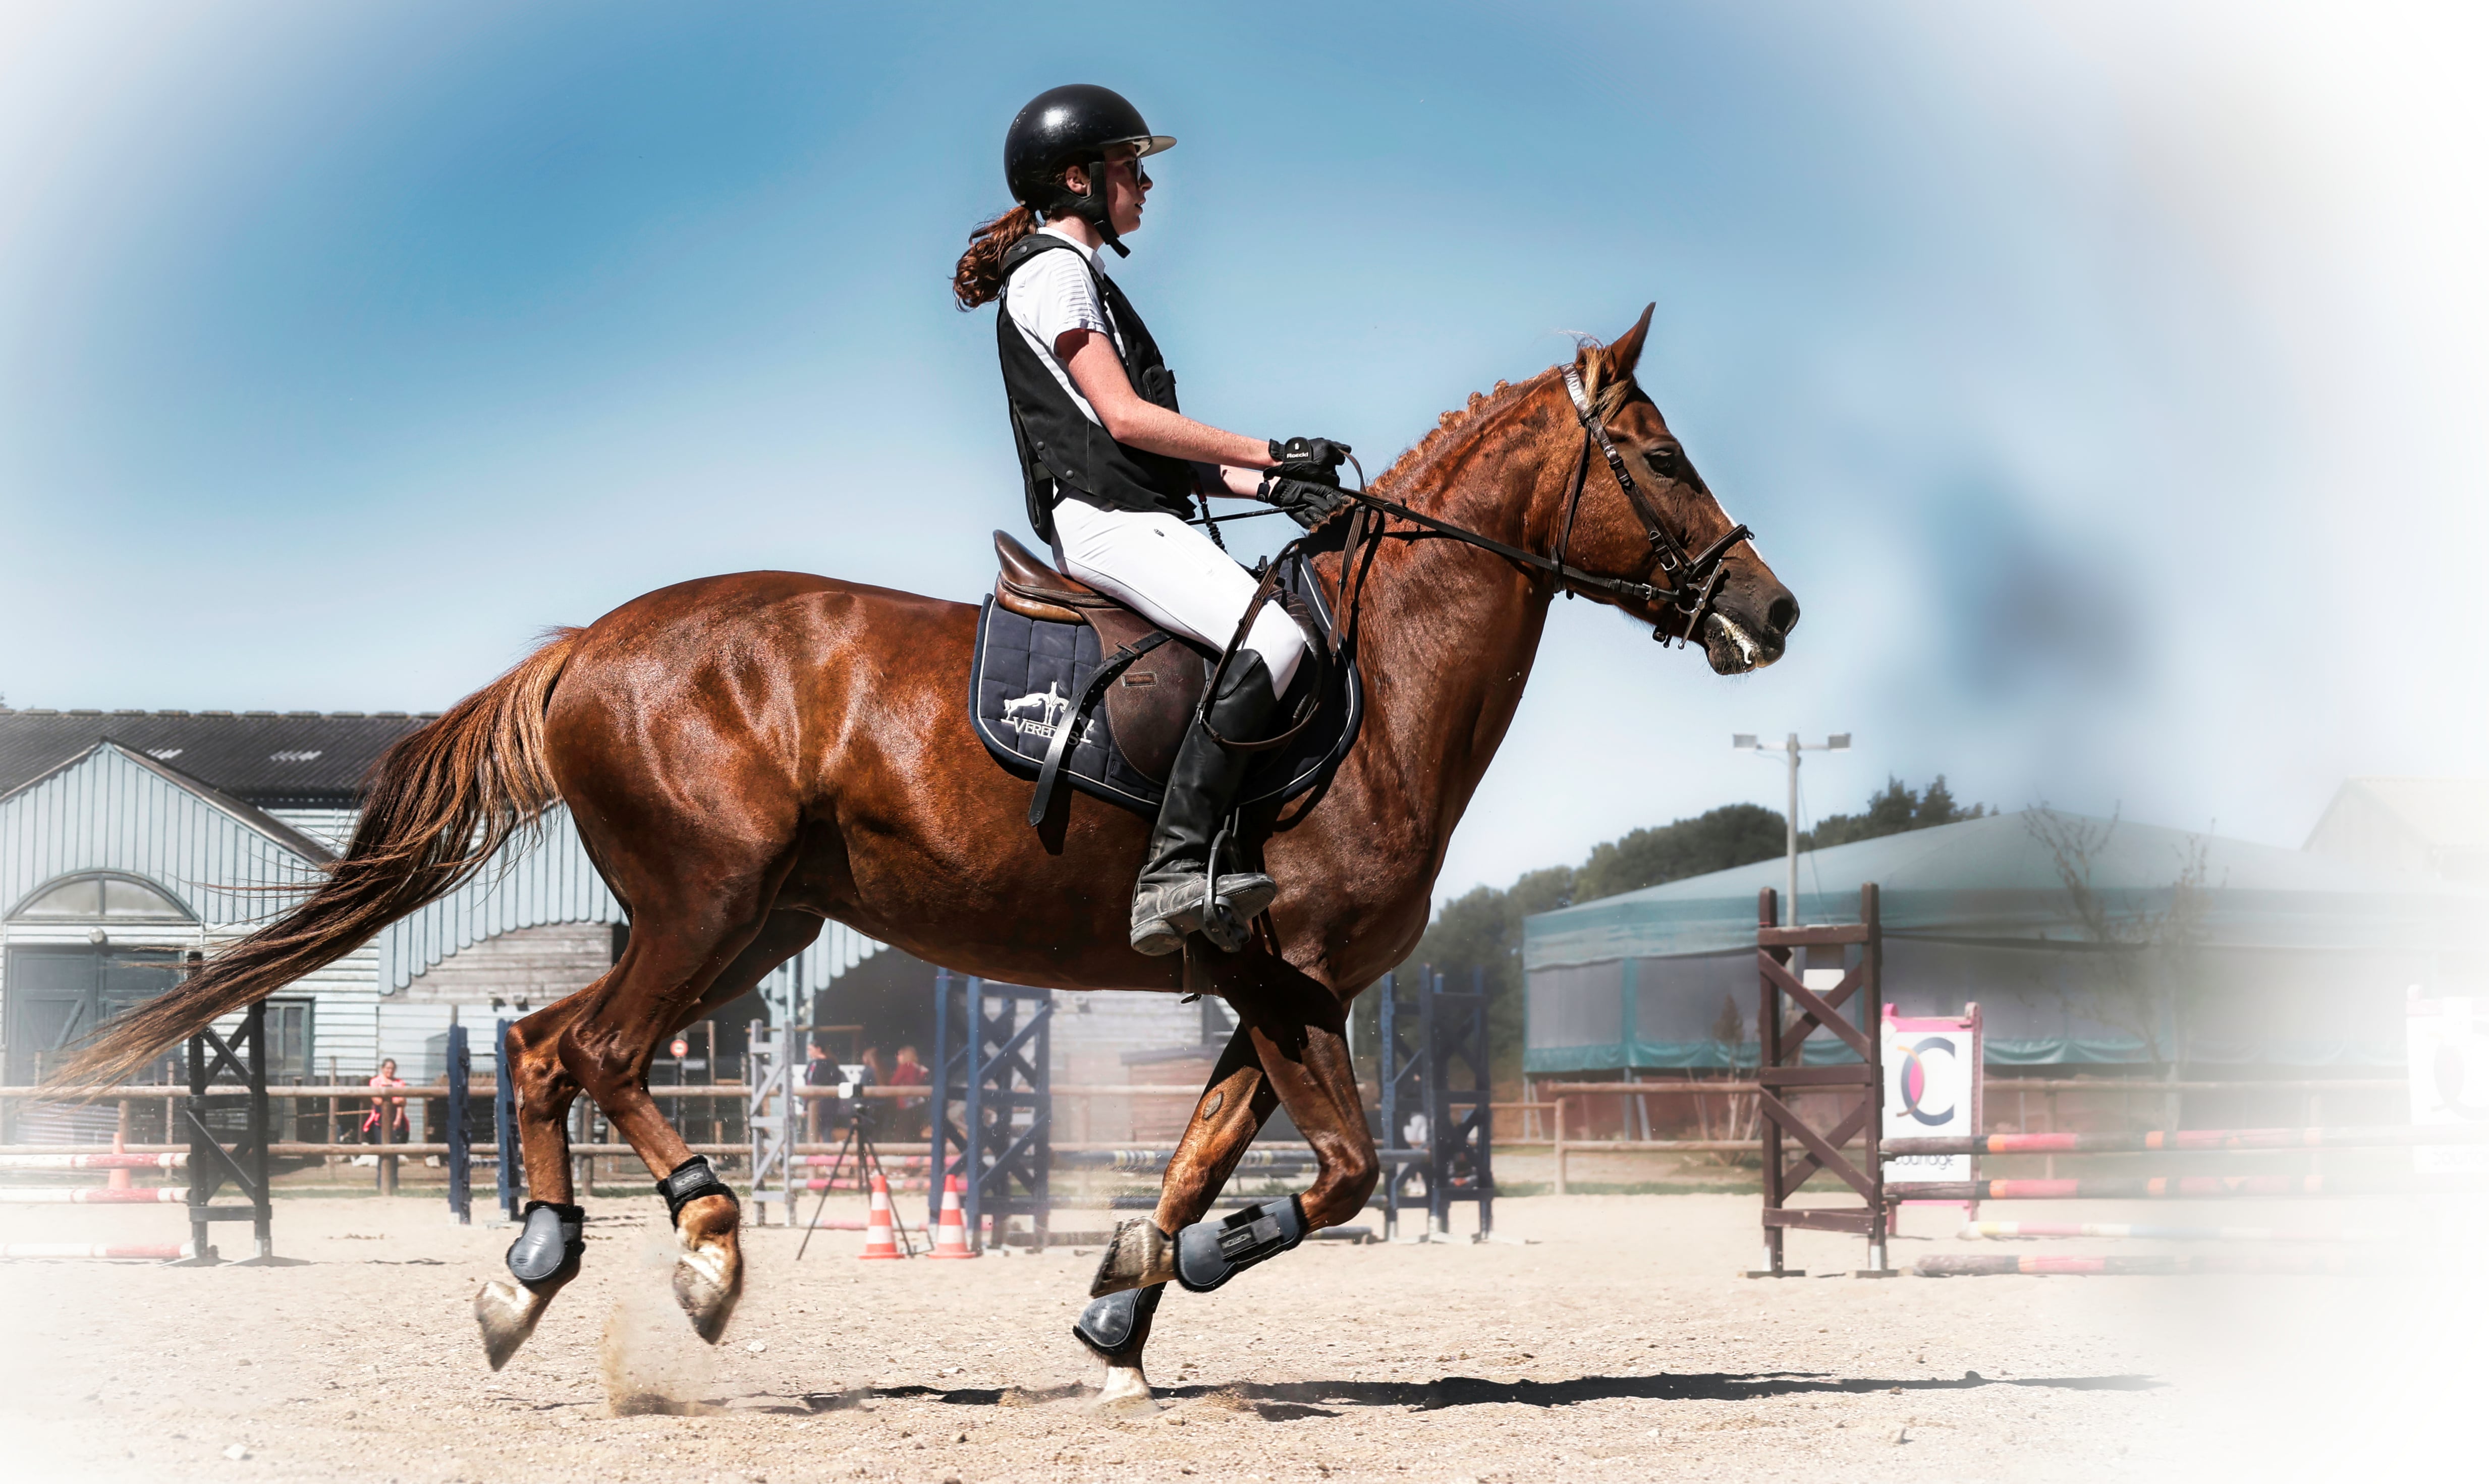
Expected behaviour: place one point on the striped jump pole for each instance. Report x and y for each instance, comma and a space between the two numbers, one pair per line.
93, 1195
111, 1162
2127, 1231
1972, 1265
1151, 1161
2163, 1141
110, 1253
2187, 1188
845, 1182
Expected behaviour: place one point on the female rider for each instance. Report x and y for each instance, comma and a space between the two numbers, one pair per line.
1112, 469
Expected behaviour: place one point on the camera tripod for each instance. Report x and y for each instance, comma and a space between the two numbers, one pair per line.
867, 1163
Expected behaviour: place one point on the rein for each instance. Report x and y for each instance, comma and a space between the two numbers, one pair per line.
1692, 580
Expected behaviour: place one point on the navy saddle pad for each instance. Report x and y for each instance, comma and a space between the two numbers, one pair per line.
1029, 671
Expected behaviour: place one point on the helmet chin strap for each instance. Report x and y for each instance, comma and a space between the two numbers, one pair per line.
1097, 207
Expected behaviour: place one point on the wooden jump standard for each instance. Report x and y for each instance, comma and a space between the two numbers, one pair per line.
1777, 951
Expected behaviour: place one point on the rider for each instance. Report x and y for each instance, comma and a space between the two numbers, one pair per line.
1112, 469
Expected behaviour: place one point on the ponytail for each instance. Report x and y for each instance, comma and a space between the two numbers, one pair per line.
979, 278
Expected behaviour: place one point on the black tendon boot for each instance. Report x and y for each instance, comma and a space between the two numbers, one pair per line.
1171, 898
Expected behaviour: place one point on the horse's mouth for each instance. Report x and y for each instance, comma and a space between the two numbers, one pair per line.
1732, 652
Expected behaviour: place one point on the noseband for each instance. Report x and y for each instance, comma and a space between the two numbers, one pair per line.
1692, 581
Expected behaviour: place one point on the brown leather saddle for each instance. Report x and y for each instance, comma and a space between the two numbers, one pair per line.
1151, 703
1070, 687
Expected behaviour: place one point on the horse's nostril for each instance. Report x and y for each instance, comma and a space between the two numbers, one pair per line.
1783, 614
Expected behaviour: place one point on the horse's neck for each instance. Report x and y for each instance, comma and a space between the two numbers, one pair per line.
1447, 639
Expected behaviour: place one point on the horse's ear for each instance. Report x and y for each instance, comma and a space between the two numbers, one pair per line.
1625, 350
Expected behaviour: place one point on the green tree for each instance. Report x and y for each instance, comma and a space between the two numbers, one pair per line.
1736, 835
1476, 936
1895, 810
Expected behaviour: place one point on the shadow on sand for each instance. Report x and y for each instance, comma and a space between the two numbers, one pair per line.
1287, 1401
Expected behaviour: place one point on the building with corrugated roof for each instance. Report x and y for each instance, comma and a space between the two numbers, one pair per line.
2420, 826
129, 839
2283, 959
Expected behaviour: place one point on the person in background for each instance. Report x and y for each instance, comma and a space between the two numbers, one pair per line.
818, 1071
391, 1109
908, 1071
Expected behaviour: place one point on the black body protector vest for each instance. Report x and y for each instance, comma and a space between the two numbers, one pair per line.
1062, 453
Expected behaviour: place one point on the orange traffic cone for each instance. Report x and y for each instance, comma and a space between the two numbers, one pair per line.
951, 1238
879, 1240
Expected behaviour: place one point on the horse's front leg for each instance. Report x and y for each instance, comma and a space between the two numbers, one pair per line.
551, 1234
1132, 1276
1300, 1034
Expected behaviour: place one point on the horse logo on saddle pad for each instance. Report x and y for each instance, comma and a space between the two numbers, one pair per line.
1036, 715
1042, 639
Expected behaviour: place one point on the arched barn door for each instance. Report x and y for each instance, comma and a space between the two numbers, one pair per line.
58, 992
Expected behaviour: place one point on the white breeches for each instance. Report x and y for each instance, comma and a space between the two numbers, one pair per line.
1175, 577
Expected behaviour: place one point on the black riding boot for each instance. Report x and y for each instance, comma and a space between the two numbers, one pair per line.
1172, 899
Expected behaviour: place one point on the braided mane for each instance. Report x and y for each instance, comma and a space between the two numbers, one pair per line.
1606, 392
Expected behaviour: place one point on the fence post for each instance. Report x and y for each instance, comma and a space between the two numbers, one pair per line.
507, 1187
454, 1125
938, 1164
1560, 1146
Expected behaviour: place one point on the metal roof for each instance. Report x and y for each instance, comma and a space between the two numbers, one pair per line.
117, 810
1991, 879
292, 759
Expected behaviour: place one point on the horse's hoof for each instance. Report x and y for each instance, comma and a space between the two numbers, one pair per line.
1125, 1389
1138, 1256
507, 1314
709, 1279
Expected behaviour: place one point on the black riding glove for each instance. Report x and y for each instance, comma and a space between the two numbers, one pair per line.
1317, 458
1306, 503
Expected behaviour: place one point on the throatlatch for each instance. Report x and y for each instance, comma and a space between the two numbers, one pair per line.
1116, 1328
692, 1179
550, 1242
1208, 1253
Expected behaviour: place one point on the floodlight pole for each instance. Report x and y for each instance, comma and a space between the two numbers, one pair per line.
1747, 741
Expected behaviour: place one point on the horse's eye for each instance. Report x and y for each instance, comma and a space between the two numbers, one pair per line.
1664, 461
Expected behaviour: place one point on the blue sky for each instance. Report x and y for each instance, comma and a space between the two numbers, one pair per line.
2106, 380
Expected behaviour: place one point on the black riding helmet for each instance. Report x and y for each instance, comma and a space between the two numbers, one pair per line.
1069, 125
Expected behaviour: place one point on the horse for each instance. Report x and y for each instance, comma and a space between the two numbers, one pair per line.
748, 755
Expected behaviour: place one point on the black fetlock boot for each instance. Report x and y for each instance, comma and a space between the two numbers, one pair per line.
1172, 899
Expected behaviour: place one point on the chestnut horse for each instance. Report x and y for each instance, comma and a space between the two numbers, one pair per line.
748, 755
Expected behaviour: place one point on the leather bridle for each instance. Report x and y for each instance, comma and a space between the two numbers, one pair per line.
1692, 582
1688, 602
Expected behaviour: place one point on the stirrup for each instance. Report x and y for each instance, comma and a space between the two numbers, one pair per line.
1165, 912
1208, 1254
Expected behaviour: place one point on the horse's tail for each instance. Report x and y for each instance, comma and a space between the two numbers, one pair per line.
436, 808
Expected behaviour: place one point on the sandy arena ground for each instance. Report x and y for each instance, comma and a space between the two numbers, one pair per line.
1608, 1340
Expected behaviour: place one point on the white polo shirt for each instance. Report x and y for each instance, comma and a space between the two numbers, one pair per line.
1053, 293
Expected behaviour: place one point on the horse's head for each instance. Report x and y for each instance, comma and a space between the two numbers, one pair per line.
1739, 613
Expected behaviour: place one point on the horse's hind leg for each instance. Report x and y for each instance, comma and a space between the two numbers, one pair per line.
1132, 1276
611, 1059
600, 1041
545, 1257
